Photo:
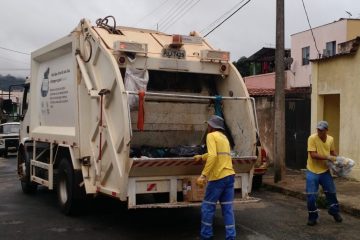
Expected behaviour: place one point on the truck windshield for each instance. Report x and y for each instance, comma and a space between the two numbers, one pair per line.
10, 128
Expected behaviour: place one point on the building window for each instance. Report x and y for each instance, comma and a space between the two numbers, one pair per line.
305, 55
330, 49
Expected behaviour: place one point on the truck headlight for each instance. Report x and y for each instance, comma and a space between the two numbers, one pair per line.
2, 142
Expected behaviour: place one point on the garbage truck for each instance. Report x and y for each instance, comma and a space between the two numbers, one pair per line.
120, 111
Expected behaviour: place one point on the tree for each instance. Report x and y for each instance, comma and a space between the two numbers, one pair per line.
243, 66
6, 81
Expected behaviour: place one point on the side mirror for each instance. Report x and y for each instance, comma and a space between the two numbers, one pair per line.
7, 105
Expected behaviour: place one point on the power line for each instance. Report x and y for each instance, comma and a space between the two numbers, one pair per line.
312, 33
154, 10
14, 69
10, 50
222, 16
12, 60
178, 13
181, 15
173, 12
228, 18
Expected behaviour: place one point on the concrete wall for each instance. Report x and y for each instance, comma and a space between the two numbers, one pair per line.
339, 31
331, 32
339, 76
353, 27
268, 80
332, 114
260, 81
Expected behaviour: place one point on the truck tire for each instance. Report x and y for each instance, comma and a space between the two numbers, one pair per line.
68, 189
27, 186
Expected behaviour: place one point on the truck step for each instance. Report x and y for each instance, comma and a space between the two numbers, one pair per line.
38, 179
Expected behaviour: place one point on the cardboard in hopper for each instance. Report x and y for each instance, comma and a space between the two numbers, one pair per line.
192, 192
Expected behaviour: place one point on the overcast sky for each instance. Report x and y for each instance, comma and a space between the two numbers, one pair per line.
30, 24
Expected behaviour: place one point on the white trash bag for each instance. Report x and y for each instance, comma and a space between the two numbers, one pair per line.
135, 80
342, 166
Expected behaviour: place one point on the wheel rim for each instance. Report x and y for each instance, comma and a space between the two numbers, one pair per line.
63, 191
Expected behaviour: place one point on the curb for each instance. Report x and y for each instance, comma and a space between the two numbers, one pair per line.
302, 196
288, 192
350, 210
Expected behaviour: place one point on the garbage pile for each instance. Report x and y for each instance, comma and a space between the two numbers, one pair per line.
157, 152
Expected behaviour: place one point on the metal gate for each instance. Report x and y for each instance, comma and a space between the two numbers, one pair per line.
297, 131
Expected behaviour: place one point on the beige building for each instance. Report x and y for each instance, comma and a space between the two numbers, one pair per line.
328, 37
332, 41
335, 98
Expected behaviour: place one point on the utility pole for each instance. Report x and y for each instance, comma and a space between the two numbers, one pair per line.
279, 118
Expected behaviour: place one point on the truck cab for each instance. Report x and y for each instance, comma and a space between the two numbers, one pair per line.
9, 138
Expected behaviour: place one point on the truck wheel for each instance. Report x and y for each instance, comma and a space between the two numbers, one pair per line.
257, 182
27, 186
68, 189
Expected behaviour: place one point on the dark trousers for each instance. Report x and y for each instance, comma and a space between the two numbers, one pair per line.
220, 190
313, 181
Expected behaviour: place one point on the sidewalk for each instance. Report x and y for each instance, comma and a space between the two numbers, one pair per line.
348, 191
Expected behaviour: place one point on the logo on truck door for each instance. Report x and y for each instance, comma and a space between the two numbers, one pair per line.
45, 83
56, 92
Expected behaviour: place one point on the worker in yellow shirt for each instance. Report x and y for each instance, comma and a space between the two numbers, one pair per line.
219, 175
320, 150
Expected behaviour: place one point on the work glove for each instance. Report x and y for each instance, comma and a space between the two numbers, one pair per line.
201, 181
331, 158
197, 158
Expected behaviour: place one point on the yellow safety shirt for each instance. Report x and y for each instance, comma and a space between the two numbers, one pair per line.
218, 159
315, 144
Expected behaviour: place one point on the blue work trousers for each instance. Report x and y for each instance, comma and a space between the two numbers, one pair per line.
313, 181
219, 190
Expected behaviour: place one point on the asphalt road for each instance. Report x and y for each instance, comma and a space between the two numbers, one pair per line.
37, 217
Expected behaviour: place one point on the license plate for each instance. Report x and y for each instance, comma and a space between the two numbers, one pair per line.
173, 53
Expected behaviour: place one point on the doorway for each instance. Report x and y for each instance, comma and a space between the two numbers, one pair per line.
332, 116
297, 131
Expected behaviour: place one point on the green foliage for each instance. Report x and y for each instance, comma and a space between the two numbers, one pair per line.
6, 81
243, 66
257, 67
321, 200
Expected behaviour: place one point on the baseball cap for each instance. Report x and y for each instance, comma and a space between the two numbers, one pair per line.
216, 122
322, 125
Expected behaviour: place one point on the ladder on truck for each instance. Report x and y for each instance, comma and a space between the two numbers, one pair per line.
36, 165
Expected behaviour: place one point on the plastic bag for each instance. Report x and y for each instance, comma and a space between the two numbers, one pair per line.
186, 151
342, 166
164, 152
153, 152
135, 80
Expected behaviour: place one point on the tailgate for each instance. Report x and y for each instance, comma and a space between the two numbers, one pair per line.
179, 166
